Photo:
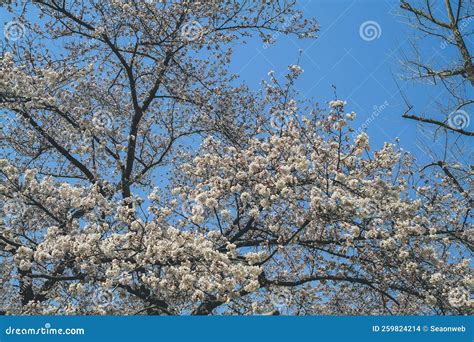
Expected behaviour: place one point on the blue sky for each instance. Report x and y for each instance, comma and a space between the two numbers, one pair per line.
365, 72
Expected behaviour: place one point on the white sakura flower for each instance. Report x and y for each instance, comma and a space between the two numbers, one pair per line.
353, 183
211, 203
436, 278
245, 197
198, 210
337, 104
351, 116
295, 69
458, 297
403, 254
280, 184
24, 265
362, 140
254, 212
225, 214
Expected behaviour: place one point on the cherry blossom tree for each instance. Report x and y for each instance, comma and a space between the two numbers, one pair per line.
139, 177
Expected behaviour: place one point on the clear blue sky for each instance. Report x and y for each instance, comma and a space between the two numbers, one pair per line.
364, 71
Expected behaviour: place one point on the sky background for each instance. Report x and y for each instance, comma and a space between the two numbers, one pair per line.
366, 72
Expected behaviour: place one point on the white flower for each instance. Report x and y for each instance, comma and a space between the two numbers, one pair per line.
245, 197
362, 140
388, 243
25, 265
197, 210
336, 104
254, 258
295, 69
436, 278
403, 254
351, 116
211, 203
254, 212
274, 228
280, 184
353, 183
458, 297
225, 214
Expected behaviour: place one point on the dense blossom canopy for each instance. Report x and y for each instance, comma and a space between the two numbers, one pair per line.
136, 177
